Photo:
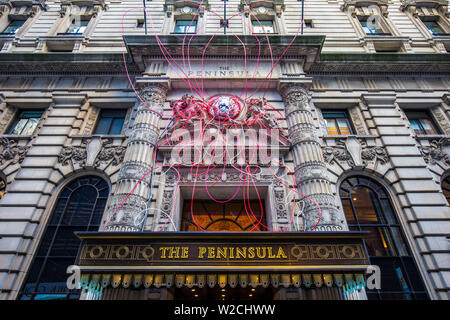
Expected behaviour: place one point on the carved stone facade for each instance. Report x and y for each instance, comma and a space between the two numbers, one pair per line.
127, 212
321, 212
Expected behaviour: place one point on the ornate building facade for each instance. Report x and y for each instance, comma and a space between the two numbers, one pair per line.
336, 147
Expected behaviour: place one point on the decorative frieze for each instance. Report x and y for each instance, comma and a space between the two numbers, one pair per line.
93, 152
355, 152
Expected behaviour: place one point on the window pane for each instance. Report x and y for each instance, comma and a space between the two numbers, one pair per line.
434, 27
30, 126
399, 242
376, 243
117, 126
362, 199
427, 126
332, 127
14, 26
103, 125
20, 124
263, 26
344, 128
185, 26
348, 211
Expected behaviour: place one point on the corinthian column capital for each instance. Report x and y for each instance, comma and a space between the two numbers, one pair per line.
295, 97
153, 95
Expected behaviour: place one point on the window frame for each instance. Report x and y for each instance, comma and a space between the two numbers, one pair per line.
426, 115
18, 118
387, 227
190, 24
111, 124
87, 20
380, 25
259, 24
346, 117
15, 30
60, 211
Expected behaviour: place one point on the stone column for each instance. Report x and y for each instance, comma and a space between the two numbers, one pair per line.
310, 170
138, 162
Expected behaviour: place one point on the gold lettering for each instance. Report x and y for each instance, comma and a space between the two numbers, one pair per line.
281, 253
231, 252
241, 253
163, 251
174, 252
270, 254
221, 252
261, 252
251, 252
201, 252
211, 253
184, 252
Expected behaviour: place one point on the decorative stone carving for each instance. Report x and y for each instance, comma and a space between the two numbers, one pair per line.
92, 152
128, 205
265, 8
411, 5
6, 117
11, 151
182, 7
436, 152
310, 170
354, 152
441, 118
353, 6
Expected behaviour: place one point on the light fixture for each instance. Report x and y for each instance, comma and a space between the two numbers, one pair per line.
196, 295
253, 289
354, 199
193, 290
250, 295
222, 290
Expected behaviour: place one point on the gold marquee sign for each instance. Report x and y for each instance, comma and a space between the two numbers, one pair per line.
171, 251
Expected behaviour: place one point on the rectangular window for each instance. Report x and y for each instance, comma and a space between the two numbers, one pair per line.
308, 24
372, 27
185, 26
422, 122
338, 122
110, 121
13, 27
77, 27
263, 26
140, 24
26, 122
433, 26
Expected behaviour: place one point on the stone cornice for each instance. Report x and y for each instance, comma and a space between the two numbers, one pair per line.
24, 3
382, 63
305, 48
64, 63
327, 63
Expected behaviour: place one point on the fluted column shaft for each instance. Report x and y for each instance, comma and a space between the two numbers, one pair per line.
310, 170
137, 163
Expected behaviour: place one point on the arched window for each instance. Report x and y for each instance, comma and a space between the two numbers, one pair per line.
236, 215
79, 207
368, 208
446, 188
